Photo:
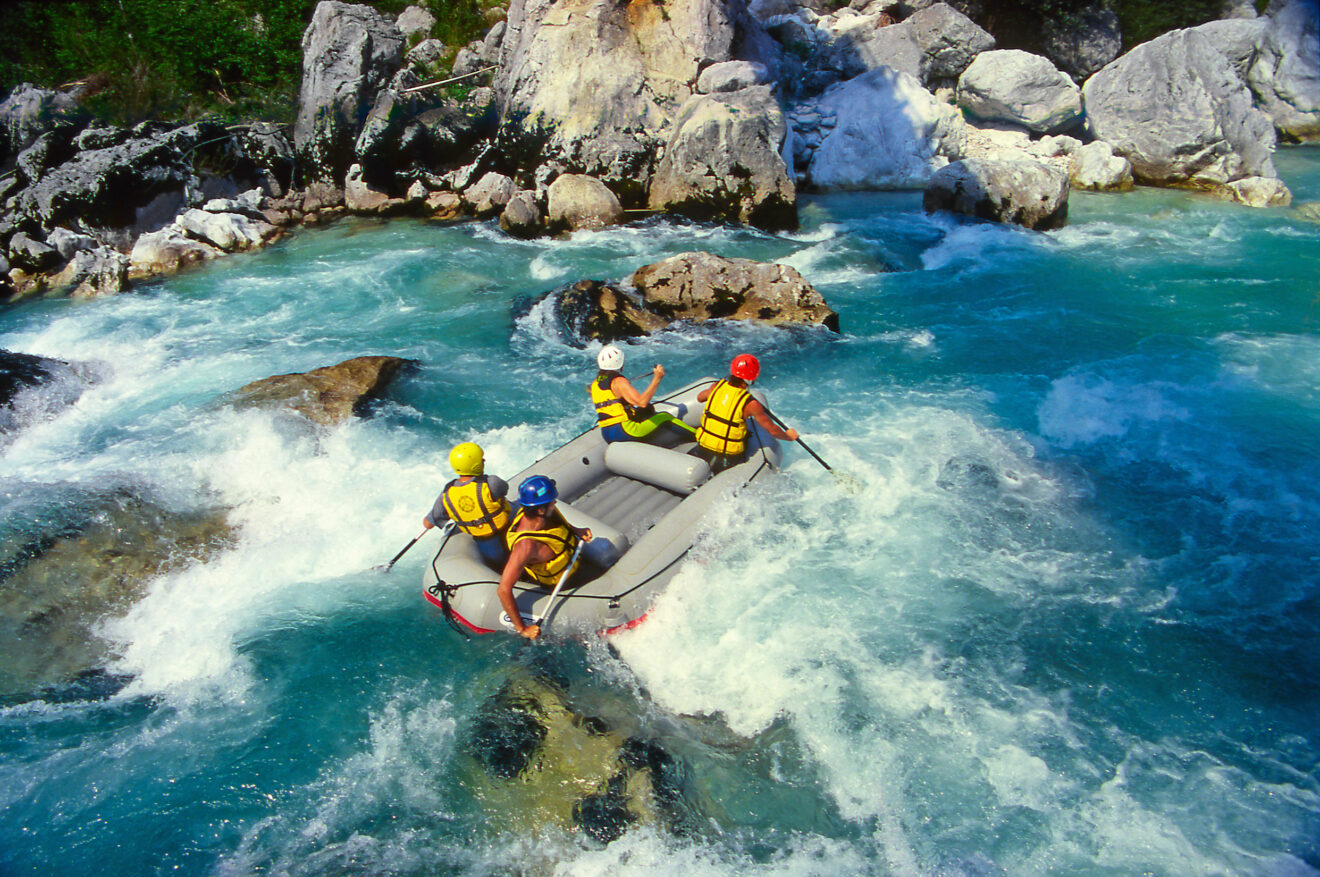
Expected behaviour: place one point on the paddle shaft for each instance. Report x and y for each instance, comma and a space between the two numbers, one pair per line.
549, 604
805, 446
395, 559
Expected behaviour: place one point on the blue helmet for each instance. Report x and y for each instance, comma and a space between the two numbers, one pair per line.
537, 490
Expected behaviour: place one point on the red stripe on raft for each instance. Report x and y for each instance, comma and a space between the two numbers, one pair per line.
627, 625
435, 601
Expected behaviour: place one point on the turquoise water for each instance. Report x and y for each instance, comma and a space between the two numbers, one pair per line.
1069, 625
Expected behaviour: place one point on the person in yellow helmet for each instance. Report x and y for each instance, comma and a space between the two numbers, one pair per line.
722, 436
476, 502
622, 413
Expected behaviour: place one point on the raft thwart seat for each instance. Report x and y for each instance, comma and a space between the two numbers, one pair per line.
661, 467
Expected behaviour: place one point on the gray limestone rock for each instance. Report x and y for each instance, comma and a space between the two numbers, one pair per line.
1009, 85
724, 161
1177, 110
350, 53
1028, 193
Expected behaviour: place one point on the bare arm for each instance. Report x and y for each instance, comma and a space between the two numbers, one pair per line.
755, 409
624, 389
513, 570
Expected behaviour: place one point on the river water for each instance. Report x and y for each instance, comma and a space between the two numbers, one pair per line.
1060, 614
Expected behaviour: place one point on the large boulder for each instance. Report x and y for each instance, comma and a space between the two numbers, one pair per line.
596, 84
1285, 74
1237, 39
724, 161
29, 111
935, 44
1027, 193
327, 395
888, 132
593, 310
121, 190
575, 201
702, 286
350, 53
167, 251
1020, 88
1177, 110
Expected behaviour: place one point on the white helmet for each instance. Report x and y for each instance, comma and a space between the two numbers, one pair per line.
610, 358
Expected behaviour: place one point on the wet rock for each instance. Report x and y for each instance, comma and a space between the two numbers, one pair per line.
702, 286
35, 388
507, 734
58, 584
327, 395
1258, 192
98, 271
593, 309
604, 816
1027, 193
167, 251
1309, 211
575, 202
523, 216
537, 763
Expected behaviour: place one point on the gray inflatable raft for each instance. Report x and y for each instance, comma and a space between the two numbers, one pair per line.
643, 502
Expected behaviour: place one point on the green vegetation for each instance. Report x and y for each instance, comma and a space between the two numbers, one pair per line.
182, 59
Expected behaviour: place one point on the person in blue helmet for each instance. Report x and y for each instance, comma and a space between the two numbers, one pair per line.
541, 545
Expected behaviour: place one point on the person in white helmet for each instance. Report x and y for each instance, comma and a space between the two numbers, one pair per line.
622, 413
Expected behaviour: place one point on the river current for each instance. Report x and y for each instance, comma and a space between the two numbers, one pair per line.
1060, 613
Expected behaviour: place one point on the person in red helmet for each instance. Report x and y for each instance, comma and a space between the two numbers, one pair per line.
722, 436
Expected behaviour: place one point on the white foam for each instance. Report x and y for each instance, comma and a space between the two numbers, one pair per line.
1083, 409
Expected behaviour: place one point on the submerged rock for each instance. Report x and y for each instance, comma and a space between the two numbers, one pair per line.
34, 388
56, 586
536, 762
327, 395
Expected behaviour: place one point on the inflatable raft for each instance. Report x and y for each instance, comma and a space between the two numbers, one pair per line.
643, 502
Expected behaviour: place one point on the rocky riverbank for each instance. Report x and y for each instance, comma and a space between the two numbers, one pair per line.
574, 113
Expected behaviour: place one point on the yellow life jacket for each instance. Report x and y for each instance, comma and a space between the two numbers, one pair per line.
475, 509
557, 536
610, 409
723, 425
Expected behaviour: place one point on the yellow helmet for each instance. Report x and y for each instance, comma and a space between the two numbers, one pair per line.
467, 459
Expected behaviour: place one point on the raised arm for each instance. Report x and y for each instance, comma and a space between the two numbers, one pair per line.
624, 389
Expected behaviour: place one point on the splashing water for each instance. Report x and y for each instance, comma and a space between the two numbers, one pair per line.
1068, 625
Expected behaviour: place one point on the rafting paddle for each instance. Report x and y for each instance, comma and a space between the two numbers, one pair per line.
846, 480
386, 567
549, 604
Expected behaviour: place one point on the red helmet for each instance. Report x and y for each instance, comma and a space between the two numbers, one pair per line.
745, 366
